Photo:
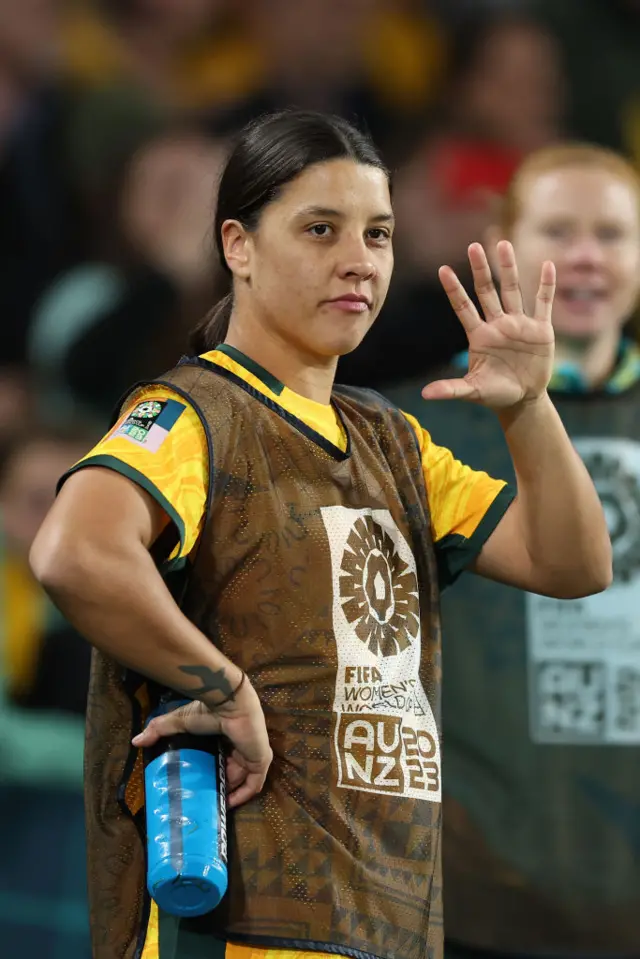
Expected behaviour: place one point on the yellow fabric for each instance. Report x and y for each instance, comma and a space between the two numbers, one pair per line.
250, 952
319, 416
459, 497
178, 470
151, 947
229, 65
24, 609
211, 71
151, 944
415, 47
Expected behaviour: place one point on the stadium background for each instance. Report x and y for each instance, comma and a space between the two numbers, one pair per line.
114, 120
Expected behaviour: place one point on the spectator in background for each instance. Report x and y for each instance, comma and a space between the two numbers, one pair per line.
105, 324
168, 48
138, 64
37, 648
375, 63
542, 698
44, 671
503, 97
17, 406
41, 223
28, 53
600, 46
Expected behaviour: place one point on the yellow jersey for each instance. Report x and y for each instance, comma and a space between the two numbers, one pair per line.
159, 443
169, 459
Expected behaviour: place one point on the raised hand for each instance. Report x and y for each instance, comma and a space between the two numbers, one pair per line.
510, 353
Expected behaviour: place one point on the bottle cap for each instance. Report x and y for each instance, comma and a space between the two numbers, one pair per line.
192, 894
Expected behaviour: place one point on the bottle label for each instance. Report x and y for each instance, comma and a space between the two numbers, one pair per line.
222, 807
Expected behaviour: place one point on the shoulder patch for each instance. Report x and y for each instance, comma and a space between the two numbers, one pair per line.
150, 423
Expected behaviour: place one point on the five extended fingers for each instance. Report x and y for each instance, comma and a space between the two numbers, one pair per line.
494, 305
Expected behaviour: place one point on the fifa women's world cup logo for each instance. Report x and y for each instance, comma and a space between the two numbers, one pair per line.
584, 669
386, 739
379, 590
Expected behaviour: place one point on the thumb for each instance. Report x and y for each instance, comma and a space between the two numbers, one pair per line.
458, 389
166, 725
193, 718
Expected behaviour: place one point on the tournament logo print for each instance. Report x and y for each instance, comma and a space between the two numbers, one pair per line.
584, 654
149, 424
147, 410
385, 735
619, 493
378, 589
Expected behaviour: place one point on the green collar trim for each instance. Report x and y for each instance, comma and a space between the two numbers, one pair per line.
252, 367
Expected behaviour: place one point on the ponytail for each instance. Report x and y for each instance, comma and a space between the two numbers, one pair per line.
213, 329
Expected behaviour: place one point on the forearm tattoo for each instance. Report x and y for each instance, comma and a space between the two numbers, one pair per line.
211, 682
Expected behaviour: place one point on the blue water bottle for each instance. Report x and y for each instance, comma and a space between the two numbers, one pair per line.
185, 800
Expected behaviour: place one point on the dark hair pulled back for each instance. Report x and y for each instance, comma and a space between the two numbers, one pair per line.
268, 154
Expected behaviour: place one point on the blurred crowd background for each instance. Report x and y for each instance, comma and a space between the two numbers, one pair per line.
114, 120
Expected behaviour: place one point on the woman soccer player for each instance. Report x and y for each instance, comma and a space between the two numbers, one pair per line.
542, 698
308, 523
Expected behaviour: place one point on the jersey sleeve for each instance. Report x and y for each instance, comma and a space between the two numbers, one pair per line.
465, 504
159, 443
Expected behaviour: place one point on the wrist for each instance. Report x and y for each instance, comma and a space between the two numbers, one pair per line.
530, 406
238, 683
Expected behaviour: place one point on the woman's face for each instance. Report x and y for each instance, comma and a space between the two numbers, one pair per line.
316, 270
171, 182
514, 91
331, 34
586, 220
28, 489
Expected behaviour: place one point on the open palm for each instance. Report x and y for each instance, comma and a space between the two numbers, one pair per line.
510, 353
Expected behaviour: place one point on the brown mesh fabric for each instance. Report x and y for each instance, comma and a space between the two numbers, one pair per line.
316, 575
116, 864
